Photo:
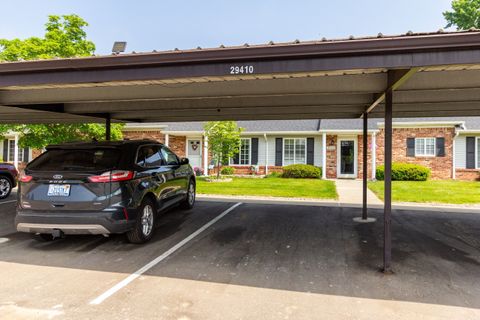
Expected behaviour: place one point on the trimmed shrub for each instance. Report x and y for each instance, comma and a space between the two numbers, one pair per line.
301, 171
228, 171
274, 174
404, 172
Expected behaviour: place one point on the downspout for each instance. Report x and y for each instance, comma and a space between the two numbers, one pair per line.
266, 153
205, 155
15, 152
454, 165
324, 155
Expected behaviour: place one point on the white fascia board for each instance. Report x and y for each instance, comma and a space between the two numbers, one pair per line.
424, 124
247, 133
464, 132
360, 131
183, 133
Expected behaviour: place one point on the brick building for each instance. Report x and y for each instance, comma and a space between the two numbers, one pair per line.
450, 147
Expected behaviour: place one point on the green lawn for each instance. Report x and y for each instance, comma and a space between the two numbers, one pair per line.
435, 191
274, 187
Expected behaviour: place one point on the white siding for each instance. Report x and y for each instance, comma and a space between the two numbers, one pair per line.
460, 152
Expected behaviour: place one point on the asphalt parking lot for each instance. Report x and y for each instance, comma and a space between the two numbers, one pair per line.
254, 262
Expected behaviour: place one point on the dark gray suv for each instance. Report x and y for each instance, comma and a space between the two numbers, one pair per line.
102, 188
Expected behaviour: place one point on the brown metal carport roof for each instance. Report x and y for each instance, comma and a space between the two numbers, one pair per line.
298, 80
412, 75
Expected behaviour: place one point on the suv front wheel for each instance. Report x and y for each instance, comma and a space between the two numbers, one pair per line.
145, 225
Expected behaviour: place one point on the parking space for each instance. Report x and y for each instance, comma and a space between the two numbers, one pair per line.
257, 261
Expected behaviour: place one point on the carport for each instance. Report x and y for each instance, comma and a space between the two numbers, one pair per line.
411, 75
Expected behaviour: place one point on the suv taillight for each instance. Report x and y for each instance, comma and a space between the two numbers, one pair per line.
113, 176
25, 178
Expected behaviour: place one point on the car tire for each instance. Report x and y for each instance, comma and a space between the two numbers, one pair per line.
145, 224
5, 187
189, 200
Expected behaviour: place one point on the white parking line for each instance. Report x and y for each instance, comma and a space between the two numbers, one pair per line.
154, 262
9, 201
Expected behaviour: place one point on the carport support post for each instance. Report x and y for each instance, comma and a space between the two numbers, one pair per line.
365, 164
387, 212
108, 128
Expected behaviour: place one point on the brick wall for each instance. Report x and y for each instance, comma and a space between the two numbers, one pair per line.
138, 135
441, 167
467, 174
360, 156
331, 156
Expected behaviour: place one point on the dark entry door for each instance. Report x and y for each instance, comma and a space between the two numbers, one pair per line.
347, 157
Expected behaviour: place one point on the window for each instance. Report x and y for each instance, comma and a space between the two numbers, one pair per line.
294, 151
149, 156
77, 160
244, 155
169, 157
425, 147
11, 151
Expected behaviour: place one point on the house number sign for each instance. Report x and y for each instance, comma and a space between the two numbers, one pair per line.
242, 69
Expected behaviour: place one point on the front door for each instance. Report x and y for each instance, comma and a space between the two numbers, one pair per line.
347, 159
194, 152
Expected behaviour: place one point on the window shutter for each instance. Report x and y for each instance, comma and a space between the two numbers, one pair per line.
310, 150
440, 147
278, 152
470, 153
410, 147
254, 146
5, 150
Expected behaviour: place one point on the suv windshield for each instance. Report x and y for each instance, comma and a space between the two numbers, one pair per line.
76, 160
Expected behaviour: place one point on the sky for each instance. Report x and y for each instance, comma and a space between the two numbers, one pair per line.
149, 25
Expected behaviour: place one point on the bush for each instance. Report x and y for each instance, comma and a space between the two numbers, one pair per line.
405, 172
274, 174
301, 171
228, 171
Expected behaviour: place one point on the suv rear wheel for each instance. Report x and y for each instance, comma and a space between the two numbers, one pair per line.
145, 225
5, 187
189, 201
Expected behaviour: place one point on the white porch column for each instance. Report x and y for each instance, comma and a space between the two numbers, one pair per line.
454, 164
324, 156
205, 155
15, 152
167, 138
374, 155
266, 153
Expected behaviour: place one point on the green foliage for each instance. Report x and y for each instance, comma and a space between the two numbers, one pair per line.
227, 171
64, 37
223, 140
405, 172
465, 14
302, 171
274, 174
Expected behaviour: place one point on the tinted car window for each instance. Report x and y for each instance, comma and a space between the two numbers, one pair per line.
149, 156
169, 156
76, 160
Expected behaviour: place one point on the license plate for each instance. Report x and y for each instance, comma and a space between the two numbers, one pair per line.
58, 190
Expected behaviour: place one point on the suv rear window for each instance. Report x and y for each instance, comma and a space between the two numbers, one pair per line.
76, 160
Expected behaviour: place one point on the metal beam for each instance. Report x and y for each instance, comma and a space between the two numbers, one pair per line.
395, 79
108, 128
387, 213
365, 165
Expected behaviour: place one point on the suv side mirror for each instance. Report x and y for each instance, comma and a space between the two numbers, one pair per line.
184, 161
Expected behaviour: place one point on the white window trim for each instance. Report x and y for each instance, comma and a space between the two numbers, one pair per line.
230, 162
425, 147
21, 155
294, 150
355, 158
476, 153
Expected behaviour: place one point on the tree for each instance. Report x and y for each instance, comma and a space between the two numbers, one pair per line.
64, 37
465, 14
223, 141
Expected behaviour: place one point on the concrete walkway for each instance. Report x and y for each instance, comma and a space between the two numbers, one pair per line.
350, 191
